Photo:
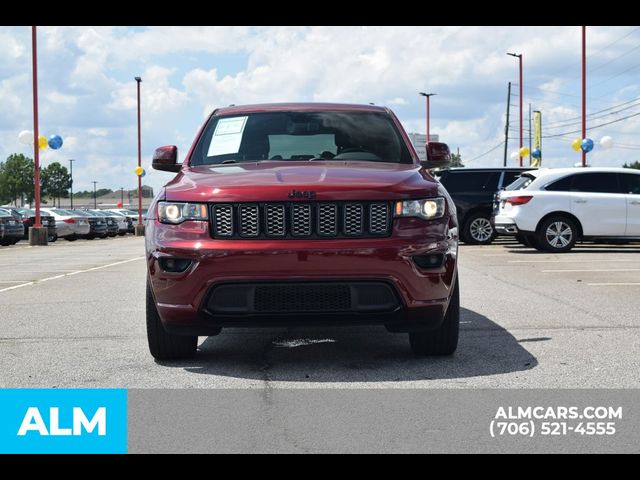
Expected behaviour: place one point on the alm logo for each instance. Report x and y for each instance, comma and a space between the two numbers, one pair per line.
63, 420
34, 422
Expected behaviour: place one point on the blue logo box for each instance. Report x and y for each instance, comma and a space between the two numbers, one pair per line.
63, 421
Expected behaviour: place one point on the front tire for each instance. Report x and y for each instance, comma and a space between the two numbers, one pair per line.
478, 230
444, 340
557, 234
163, 345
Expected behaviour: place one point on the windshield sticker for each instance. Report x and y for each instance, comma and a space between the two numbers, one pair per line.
227, 136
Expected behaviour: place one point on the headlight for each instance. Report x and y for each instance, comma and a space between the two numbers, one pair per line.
174, 213
428, 209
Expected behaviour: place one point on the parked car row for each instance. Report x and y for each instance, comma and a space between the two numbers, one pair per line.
552, 210
548, 209
65, 223
473, 191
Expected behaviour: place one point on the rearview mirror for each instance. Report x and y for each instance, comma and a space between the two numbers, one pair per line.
438, 155
166, 159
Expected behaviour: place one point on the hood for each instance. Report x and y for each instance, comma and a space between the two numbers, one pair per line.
274, 181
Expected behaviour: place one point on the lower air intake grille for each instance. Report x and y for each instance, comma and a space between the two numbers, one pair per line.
302, 298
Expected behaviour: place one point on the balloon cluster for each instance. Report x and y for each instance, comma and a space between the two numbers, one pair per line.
523, 152
586, 144
54, 142
140, 172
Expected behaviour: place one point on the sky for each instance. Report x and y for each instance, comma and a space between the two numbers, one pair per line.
87, 91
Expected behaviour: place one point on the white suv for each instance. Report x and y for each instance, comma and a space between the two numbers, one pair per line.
556, 208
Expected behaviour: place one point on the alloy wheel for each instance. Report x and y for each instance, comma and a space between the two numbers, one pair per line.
481, 230
559, 234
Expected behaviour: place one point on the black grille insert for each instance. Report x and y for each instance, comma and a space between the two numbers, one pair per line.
301, 220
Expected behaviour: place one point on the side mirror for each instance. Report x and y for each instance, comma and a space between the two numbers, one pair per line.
166, 158
438, 155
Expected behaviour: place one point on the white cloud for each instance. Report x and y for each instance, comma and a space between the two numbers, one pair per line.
88, 94
61, 98
397, 101
156, 94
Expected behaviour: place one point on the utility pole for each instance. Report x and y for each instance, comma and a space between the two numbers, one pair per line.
530, 140
584, 91
122, 196
428, 97
506, 127
38, 235
519, 57
139, 230
71, 174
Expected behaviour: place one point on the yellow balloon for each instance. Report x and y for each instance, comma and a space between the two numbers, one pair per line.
524, 152
139, 171
42, 142
577, 144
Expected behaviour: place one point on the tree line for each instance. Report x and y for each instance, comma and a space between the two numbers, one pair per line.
16, 181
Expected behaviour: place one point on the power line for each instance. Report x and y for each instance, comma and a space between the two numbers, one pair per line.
591, 55
613, 43
591, 70
633, 67
637, 99
594, 127
591, 117
486, 153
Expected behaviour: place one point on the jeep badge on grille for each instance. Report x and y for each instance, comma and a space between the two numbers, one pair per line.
302, 195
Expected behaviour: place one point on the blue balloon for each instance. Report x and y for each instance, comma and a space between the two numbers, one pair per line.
587, 145
55, 142
536, 153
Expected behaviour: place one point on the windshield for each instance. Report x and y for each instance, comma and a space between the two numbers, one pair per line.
520, 183
300, 136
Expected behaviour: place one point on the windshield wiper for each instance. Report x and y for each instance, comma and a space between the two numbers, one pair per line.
231, 160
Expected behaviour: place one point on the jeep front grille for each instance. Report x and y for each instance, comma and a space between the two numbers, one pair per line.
301, 220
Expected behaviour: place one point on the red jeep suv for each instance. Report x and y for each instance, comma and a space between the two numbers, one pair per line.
301, 214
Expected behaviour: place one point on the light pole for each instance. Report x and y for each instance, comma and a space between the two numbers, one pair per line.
428, 96
95, 199
122, 196
519, 57
37, 234
71, 160
140, 226
584, 91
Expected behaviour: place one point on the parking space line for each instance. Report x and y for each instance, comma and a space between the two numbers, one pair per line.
614, 284
16, 286
578, 260
72, 273
603, 270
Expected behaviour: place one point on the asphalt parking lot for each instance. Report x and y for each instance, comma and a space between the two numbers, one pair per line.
72, 315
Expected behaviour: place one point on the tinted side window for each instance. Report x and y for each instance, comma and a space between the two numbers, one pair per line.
510, 177
562, 185
631, 183
457, 182
596, 183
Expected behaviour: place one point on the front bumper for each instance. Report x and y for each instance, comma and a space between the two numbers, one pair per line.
423, 294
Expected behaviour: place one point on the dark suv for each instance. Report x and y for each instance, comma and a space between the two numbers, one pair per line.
298, 214
473, 190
